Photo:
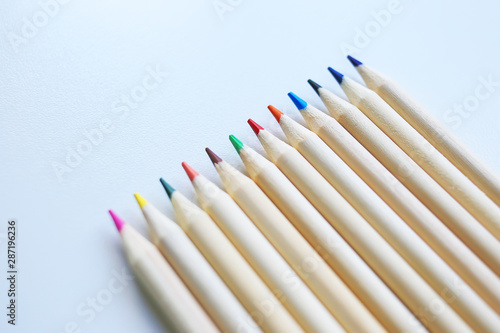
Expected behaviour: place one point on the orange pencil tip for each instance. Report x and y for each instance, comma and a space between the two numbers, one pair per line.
276, 113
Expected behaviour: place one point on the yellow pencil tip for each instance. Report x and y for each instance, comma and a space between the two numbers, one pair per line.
140, 200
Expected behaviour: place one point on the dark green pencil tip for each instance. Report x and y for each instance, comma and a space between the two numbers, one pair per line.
169, 189
238, 145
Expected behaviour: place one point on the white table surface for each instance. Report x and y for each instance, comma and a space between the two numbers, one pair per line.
68, 75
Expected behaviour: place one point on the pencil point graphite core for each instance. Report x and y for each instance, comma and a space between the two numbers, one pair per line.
314, 85
237, 144
169, 189
338, 76
299, 102
276, 113
119, 223
354, 62
213, 157
140, 200
190, 171
256, 127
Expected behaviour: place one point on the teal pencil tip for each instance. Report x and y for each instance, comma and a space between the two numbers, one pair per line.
169, 189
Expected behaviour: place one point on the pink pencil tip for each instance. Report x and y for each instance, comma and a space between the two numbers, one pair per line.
189, 171
119, 223
256, 127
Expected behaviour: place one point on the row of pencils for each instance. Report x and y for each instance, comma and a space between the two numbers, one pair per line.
375, 219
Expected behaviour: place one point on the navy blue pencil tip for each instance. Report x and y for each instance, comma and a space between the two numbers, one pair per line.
336, 75
314, 85
354, 62
299, 102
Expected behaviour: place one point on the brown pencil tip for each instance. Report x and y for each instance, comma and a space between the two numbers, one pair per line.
213, 157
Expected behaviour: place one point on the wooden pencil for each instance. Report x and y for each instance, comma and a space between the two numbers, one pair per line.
297, 298
369, 288
170, 295
403, 202
424, 154
428, 126
423, 186
399, 235
315, 272
245, 284
196, 273
382, 258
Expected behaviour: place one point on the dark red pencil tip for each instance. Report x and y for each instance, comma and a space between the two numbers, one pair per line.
190, 171
256, 127
213, 157
276, 113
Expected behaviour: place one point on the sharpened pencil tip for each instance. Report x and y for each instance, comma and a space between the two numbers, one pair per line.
119, 223
354, 62
314, 85
338, 76
256, 127
299, 102
237, 144
169, 189
190, 171
276, 113
140, 200
213, 157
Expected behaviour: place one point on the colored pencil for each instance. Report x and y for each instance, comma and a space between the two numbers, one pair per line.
403, 202
315, 272
398, 234
196, 273
423, 186
170, 295
297, 298
369, 288
428, 126
382, 258
246, 285
424, 154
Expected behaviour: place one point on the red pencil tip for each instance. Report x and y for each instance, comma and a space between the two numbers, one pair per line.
276, 113
189, 171
213, 157
256, 127
119, 223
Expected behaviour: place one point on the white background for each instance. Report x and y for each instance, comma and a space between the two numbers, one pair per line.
65, 77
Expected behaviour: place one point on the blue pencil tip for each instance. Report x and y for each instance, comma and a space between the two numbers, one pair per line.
169, 189
354, 62
336, 75
314, 85
299, 102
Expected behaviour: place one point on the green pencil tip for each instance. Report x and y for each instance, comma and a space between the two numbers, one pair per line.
169, 189
238, 145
